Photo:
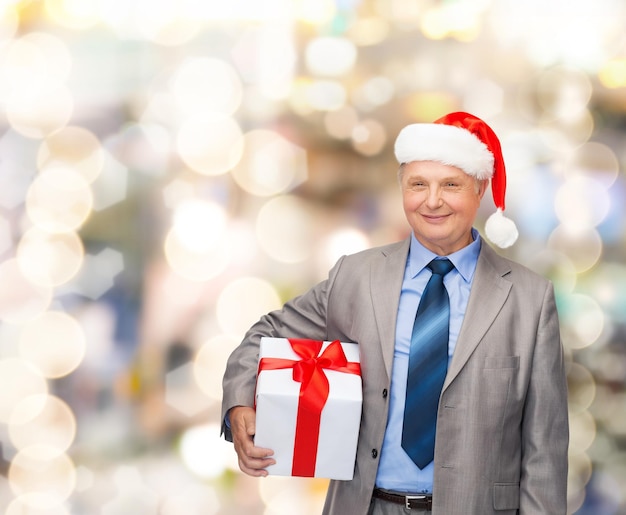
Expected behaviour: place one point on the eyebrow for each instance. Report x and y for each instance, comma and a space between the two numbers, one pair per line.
454, 178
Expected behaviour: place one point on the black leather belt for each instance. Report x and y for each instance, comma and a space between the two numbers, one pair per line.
410, 501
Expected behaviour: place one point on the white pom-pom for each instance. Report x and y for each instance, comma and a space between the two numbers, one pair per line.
501, 230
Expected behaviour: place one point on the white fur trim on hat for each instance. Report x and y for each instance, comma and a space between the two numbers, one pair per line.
446, 144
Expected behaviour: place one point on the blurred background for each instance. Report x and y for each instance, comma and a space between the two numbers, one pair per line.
171, 170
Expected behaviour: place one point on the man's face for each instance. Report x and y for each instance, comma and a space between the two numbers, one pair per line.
440, 203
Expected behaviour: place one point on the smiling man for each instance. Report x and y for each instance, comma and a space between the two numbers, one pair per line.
464, 393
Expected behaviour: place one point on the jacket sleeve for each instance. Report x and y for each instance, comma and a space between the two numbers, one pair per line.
545, 429
302, 317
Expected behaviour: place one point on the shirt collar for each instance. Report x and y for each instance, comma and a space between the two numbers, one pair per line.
464, 260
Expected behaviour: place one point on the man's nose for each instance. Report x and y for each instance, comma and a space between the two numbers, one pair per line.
433, 200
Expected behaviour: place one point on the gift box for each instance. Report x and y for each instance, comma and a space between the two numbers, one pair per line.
308, 406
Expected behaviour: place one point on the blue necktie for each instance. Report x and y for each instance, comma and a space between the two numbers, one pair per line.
428, 364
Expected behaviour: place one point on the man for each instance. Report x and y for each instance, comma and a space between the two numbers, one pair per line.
500, 414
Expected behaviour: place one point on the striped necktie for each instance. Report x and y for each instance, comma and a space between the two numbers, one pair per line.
428, 364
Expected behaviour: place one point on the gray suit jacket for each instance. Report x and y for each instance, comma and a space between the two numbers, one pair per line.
502, 430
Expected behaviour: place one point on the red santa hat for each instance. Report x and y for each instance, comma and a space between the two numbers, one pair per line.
466, 142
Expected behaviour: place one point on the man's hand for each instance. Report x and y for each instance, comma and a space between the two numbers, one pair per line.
252, 460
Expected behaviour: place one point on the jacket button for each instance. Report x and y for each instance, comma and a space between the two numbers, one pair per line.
385, 393
374, 453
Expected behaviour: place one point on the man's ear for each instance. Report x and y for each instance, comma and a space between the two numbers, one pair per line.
482, 187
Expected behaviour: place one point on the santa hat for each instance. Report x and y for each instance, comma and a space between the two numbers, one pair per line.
466, 142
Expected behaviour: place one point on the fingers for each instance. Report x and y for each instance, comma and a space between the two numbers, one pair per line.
252, 460
255, 461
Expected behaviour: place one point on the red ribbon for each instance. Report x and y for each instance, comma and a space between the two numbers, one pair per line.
314, 389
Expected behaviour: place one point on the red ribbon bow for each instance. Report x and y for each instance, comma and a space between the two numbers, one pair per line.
314, 390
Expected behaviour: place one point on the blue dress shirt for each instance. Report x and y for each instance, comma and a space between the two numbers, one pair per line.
396, 471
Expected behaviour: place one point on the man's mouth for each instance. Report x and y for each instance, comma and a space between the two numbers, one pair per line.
435, 218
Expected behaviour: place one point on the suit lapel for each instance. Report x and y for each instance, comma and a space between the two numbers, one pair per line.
387, 273
490, 290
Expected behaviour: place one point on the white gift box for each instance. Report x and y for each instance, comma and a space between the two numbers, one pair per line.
277, 410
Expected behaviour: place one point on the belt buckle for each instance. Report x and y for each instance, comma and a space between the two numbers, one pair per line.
409, 498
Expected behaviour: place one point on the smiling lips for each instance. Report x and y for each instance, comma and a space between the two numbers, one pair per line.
435, 218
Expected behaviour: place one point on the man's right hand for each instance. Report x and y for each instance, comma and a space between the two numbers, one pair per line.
252, 460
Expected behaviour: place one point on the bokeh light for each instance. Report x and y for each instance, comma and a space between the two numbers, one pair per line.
165, 23
242, 302
580, 470
75, 148
21, 380
98, 273
195, 263
558, 267
581, 387
59, 200
6, 241
210, 144
582, 203
49, 259
22, 506
596, 159
34, 57
584, 317
270, 164
330, 56
9, 22
54, 343
34, 69
582, 430
199, 225
20, 299
374, 93
325, 95
207, 86
42, 420
38, 113
369, 30
266, 57
194, 499
204, 452
613, 73
563, 93
42, 476
284, 229
341, 122
582, 247
73, 14
279, 500
369, 137
182, 392
194, 246
209, 363
343, 241
460, 20
316, 11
